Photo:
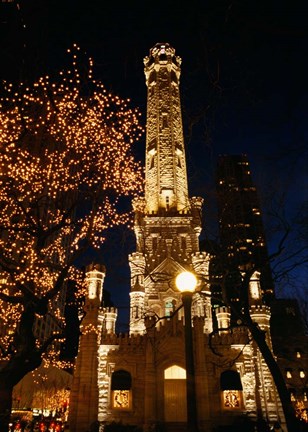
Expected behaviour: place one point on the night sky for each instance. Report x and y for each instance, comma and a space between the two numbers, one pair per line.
244, 81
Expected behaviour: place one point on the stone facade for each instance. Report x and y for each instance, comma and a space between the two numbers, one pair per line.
141, 376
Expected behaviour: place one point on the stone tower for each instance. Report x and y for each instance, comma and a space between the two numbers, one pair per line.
166, 180
167, 221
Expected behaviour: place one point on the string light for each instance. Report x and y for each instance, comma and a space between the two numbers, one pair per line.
65, 163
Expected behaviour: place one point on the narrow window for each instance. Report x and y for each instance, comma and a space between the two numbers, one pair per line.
231, 388
183, 243
154, 243
302, 373
152, 162
179, 163
169, 307
121, 383
292, 394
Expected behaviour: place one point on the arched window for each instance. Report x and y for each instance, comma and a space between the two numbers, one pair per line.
175, 372
121, 383
231, 389
169, 307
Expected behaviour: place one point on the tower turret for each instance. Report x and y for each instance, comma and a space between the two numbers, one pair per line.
95, 275
223, 319
110, 315
166, 181
84, 391
255, 293
137, 268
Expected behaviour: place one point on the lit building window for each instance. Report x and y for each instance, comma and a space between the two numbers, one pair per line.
305, 395
169, 307
121, 399
298, 354
302, 373
175, 372
231, 387
292, 395
121, 390
289, 373
231, 399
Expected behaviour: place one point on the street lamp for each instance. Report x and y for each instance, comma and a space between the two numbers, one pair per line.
186, 283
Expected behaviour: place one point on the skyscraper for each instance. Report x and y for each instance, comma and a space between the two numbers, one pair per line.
241, 228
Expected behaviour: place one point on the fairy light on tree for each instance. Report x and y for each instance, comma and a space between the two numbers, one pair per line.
65, 164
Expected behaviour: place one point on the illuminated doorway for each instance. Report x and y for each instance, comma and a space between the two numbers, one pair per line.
175, 394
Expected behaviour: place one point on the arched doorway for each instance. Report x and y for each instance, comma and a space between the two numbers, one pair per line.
175, 394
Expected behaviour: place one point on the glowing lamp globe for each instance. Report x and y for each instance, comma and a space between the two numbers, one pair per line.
186, 282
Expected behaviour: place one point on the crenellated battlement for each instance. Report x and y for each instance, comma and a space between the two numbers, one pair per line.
136, 256
197, 202
162, 54
236, 336
256, 309
200, 256
124, 341
110, 310
261, 314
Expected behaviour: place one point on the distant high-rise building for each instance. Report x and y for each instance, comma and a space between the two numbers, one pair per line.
290, 345
241, 228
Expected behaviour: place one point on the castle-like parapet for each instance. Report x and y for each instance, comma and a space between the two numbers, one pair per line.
200, 262
136, 256
223, 316
237, 336
197, 203
161, 54
261, 315
124, 341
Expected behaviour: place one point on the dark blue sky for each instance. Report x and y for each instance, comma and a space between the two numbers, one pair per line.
244, 76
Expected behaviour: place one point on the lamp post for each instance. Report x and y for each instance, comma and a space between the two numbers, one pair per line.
186, 283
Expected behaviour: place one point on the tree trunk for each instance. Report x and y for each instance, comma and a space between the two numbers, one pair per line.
6, 392
288, 410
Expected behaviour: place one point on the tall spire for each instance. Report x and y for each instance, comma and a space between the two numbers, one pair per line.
166, 178
167, 222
